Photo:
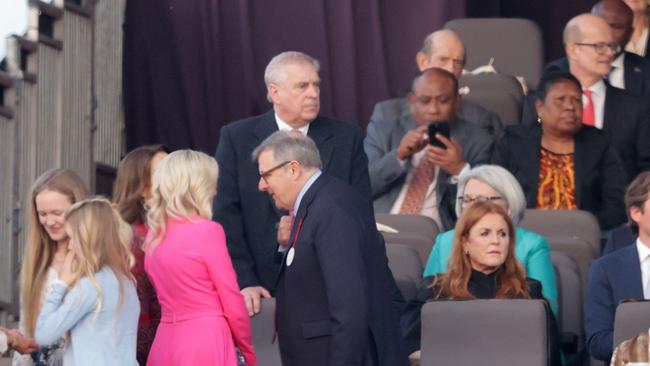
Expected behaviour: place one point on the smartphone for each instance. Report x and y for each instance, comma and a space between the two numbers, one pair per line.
441, 128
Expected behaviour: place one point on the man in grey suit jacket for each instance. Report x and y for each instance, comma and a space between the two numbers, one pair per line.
445, 50
396, 146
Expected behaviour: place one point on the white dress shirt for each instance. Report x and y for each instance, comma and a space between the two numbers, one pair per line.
644, 261
598, 91
617, 75
283, 126
640, 47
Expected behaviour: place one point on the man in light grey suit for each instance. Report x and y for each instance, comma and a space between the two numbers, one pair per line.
445, 50
407, 173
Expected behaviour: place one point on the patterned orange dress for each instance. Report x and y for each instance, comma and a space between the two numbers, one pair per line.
557, 185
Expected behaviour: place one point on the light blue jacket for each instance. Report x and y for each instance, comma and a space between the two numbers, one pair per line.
107, 337
531, 250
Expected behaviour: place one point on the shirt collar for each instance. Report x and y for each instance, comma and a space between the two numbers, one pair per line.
304, 189
618, 61
642, 249
598, 88
283, 126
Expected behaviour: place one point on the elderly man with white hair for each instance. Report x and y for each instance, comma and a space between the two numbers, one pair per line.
254, 227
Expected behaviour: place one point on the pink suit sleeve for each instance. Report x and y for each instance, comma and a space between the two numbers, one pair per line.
225, 280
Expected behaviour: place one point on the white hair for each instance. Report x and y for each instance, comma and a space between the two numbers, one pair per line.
501, 181
275, 72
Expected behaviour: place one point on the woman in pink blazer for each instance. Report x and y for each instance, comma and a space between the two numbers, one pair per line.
204, 317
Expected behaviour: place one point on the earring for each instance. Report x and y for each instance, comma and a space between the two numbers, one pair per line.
539, 119
466, 252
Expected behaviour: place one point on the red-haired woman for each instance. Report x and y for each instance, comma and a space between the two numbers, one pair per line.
482, 265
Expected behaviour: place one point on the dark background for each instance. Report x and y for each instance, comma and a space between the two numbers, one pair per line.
191, 66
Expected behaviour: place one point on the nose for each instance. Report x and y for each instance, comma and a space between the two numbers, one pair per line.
314, 91
262, 185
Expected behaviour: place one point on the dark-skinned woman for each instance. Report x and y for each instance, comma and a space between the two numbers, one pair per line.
560, 163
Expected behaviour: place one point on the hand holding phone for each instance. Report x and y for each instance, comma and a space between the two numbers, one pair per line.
441, 128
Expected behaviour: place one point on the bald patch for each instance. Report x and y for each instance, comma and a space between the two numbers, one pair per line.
615, 7
433, 75
443, 38
574, 30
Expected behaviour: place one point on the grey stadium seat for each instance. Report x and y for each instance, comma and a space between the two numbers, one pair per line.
631, 319
484, 332
415, 231
263, 328
564, 224
404, 261
515, 44
570, 294
501, 94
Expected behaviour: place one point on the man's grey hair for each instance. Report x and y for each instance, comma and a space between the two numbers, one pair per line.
429, 42
275, 72
501, 181
288, 146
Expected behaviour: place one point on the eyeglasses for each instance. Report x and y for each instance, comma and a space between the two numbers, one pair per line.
265, 175
602, 47
467, 200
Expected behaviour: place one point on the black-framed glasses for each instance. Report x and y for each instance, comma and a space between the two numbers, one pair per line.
602, 47
266, 174
468, 200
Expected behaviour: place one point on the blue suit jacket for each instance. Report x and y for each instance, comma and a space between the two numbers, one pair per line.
248, 216
334, 302
618, 238
612, 279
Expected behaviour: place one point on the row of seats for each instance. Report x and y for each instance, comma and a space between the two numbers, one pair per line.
513, 48
574, 237
500, 332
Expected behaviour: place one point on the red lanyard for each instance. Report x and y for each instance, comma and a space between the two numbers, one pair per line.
295, 238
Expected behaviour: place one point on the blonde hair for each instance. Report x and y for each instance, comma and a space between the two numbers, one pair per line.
39, 247
101, 239
183, 186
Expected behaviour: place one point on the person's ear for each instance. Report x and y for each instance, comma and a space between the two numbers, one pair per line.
635, 214
422, 61
273, 90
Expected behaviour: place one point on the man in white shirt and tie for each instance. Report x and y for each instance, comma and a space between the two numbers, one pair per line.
621, 275
590, 50
408, 175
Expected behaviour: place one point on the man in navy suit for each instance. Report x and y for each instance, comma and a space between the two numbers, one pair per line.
253, 226
590, 49
629, 71
334, 290
621, 275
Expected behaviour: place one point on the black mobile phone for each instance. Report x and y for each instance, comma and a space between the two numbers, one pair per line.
441, 128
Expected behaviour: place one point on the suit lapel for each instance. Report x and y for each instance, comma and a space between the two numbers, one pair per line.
633, 75
633, 269
266, 126
300, 218
611, 110
583, 161
322, 136
529, 155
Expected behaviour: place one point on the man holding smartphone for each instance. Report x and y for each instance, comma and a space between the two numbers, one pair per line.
412, 173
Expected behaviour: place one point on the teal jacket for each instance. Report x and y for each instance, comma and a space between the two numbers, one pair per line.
531, 250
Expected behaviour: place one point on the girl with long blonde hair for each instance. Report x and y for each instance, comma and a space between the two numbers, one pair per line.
94, 298
188, 263
45, 249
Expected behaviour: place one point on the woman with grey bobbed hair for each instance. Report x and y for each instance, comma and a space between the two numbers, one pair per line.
494, 183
